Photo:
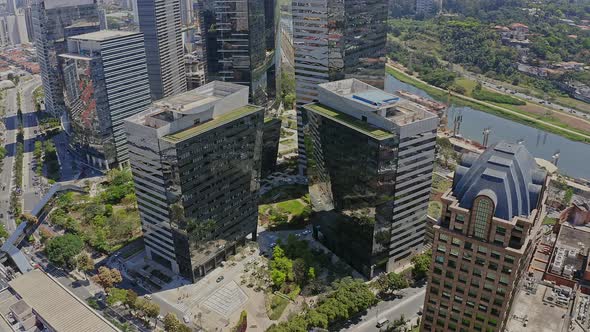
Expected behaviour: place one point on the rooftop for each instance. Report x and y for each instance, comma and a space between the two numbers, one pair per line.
216, 122
349, 121
57, 306
103, 35
367, 98
506, 173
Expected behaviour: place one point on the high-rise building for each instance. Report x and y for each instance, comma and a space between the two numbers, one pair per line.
13, 29
491, 219
371, 158
241, 44
195, 159
54, 22
334, 40
159, 20
106, 81
195, 58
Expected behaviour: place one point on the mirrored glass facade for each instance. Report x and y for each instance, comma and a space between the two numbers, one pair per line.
334, 40
106, 81
53, 22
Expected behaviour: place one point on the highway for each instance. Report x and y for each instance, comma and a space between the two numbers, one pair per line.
6, 181
408, 305
31, 189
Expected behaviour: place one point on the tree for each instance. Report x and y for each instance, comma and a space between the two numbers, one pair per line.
311, 273
131, 298
107, 278
62, 250
171, 323
116, 295
278, 277
421, 264
84, 263
396, 281
151, 309
242, 324
299, 271
3, 232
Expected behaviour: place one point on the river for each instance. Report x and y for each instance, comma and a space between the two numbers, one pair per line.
574, 158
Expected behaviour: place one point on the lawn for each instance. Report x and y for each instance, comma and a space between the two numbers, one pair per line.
466, 83
440, 184
276, 306
549, 221
292, 207
434, 209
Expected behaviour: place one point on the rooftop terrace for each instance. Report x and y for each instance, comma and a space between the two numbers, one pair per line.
103, 35
349, 121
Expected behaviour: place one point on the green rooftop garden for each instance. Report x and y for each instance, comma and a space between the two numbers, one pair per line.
204, 126
349, 121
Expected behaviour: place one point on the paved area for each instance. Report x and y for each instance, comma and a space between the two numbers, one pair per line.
6, 176
31, 183
408, 306
226, 300
542, 316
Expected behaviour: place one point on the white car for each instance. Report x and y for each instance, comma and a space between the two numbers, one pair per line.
186, 319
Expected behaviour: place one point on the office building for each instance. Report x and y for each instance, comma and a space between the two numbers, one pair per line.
195, 58
106, 81
370, 172
195, 159
159, 20
13, 29
333, 41
240, 39
426, 7
271, 135
54, 22
491, 221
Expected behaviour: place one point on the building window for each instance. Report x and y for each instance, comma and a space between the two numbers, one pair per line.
443, 237
483, 213
456, 242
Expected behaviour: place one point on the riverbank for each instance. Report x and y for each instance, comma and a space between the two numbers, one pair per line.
511, 114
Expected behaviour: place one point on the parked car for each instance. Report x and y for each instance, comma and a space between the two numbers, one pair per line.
186, 319
219, 279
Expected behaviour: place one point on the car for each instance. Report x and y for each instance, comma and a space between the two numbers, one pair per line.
382, 322
147, 296
219, 279
420, 311
186, 319
1, 215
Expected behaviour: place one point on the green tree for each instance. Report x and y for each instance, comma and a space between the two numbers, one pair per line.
421, 264
131, 298
62, 250
311, 273
151, 309
116, 295
84, 264
171, 323
397, 281
3, 232
299, 271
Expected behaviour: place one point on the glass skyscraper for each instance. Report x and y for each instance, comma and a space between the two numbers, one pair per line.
334, 40
106, 81
54, 22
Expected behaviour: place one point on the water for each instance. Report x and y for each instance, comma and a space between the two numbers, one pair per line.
574, 159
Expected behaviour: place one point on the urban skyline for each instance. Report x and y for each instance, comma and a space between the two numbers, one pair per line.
199, 165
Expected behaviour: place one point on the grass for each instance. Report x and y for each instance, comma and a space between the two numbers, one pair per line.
467, 84
440, 184
219, 121
349, 121
283, 193
549, 221
434, 209
293, 206
276, 307
458, 100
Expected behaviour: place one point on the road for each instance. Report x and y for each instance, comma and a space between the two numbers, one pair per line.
500, 88
31, 189
6, 180
408, 305
532, 119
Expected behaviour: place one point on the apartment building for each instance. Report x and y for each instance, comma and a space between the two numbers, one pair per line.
195, 159
491, 218
370, 172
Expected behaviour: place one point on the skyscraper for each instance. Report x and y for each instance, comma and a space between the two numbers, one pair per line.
371, 158
491, 219
244, 52
159, 20
334, 40
54, 22
106, 81
195, 159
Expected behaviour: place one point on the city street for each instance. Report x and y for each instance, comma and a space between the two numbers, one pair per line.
408, 305
6, 182
31, 188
